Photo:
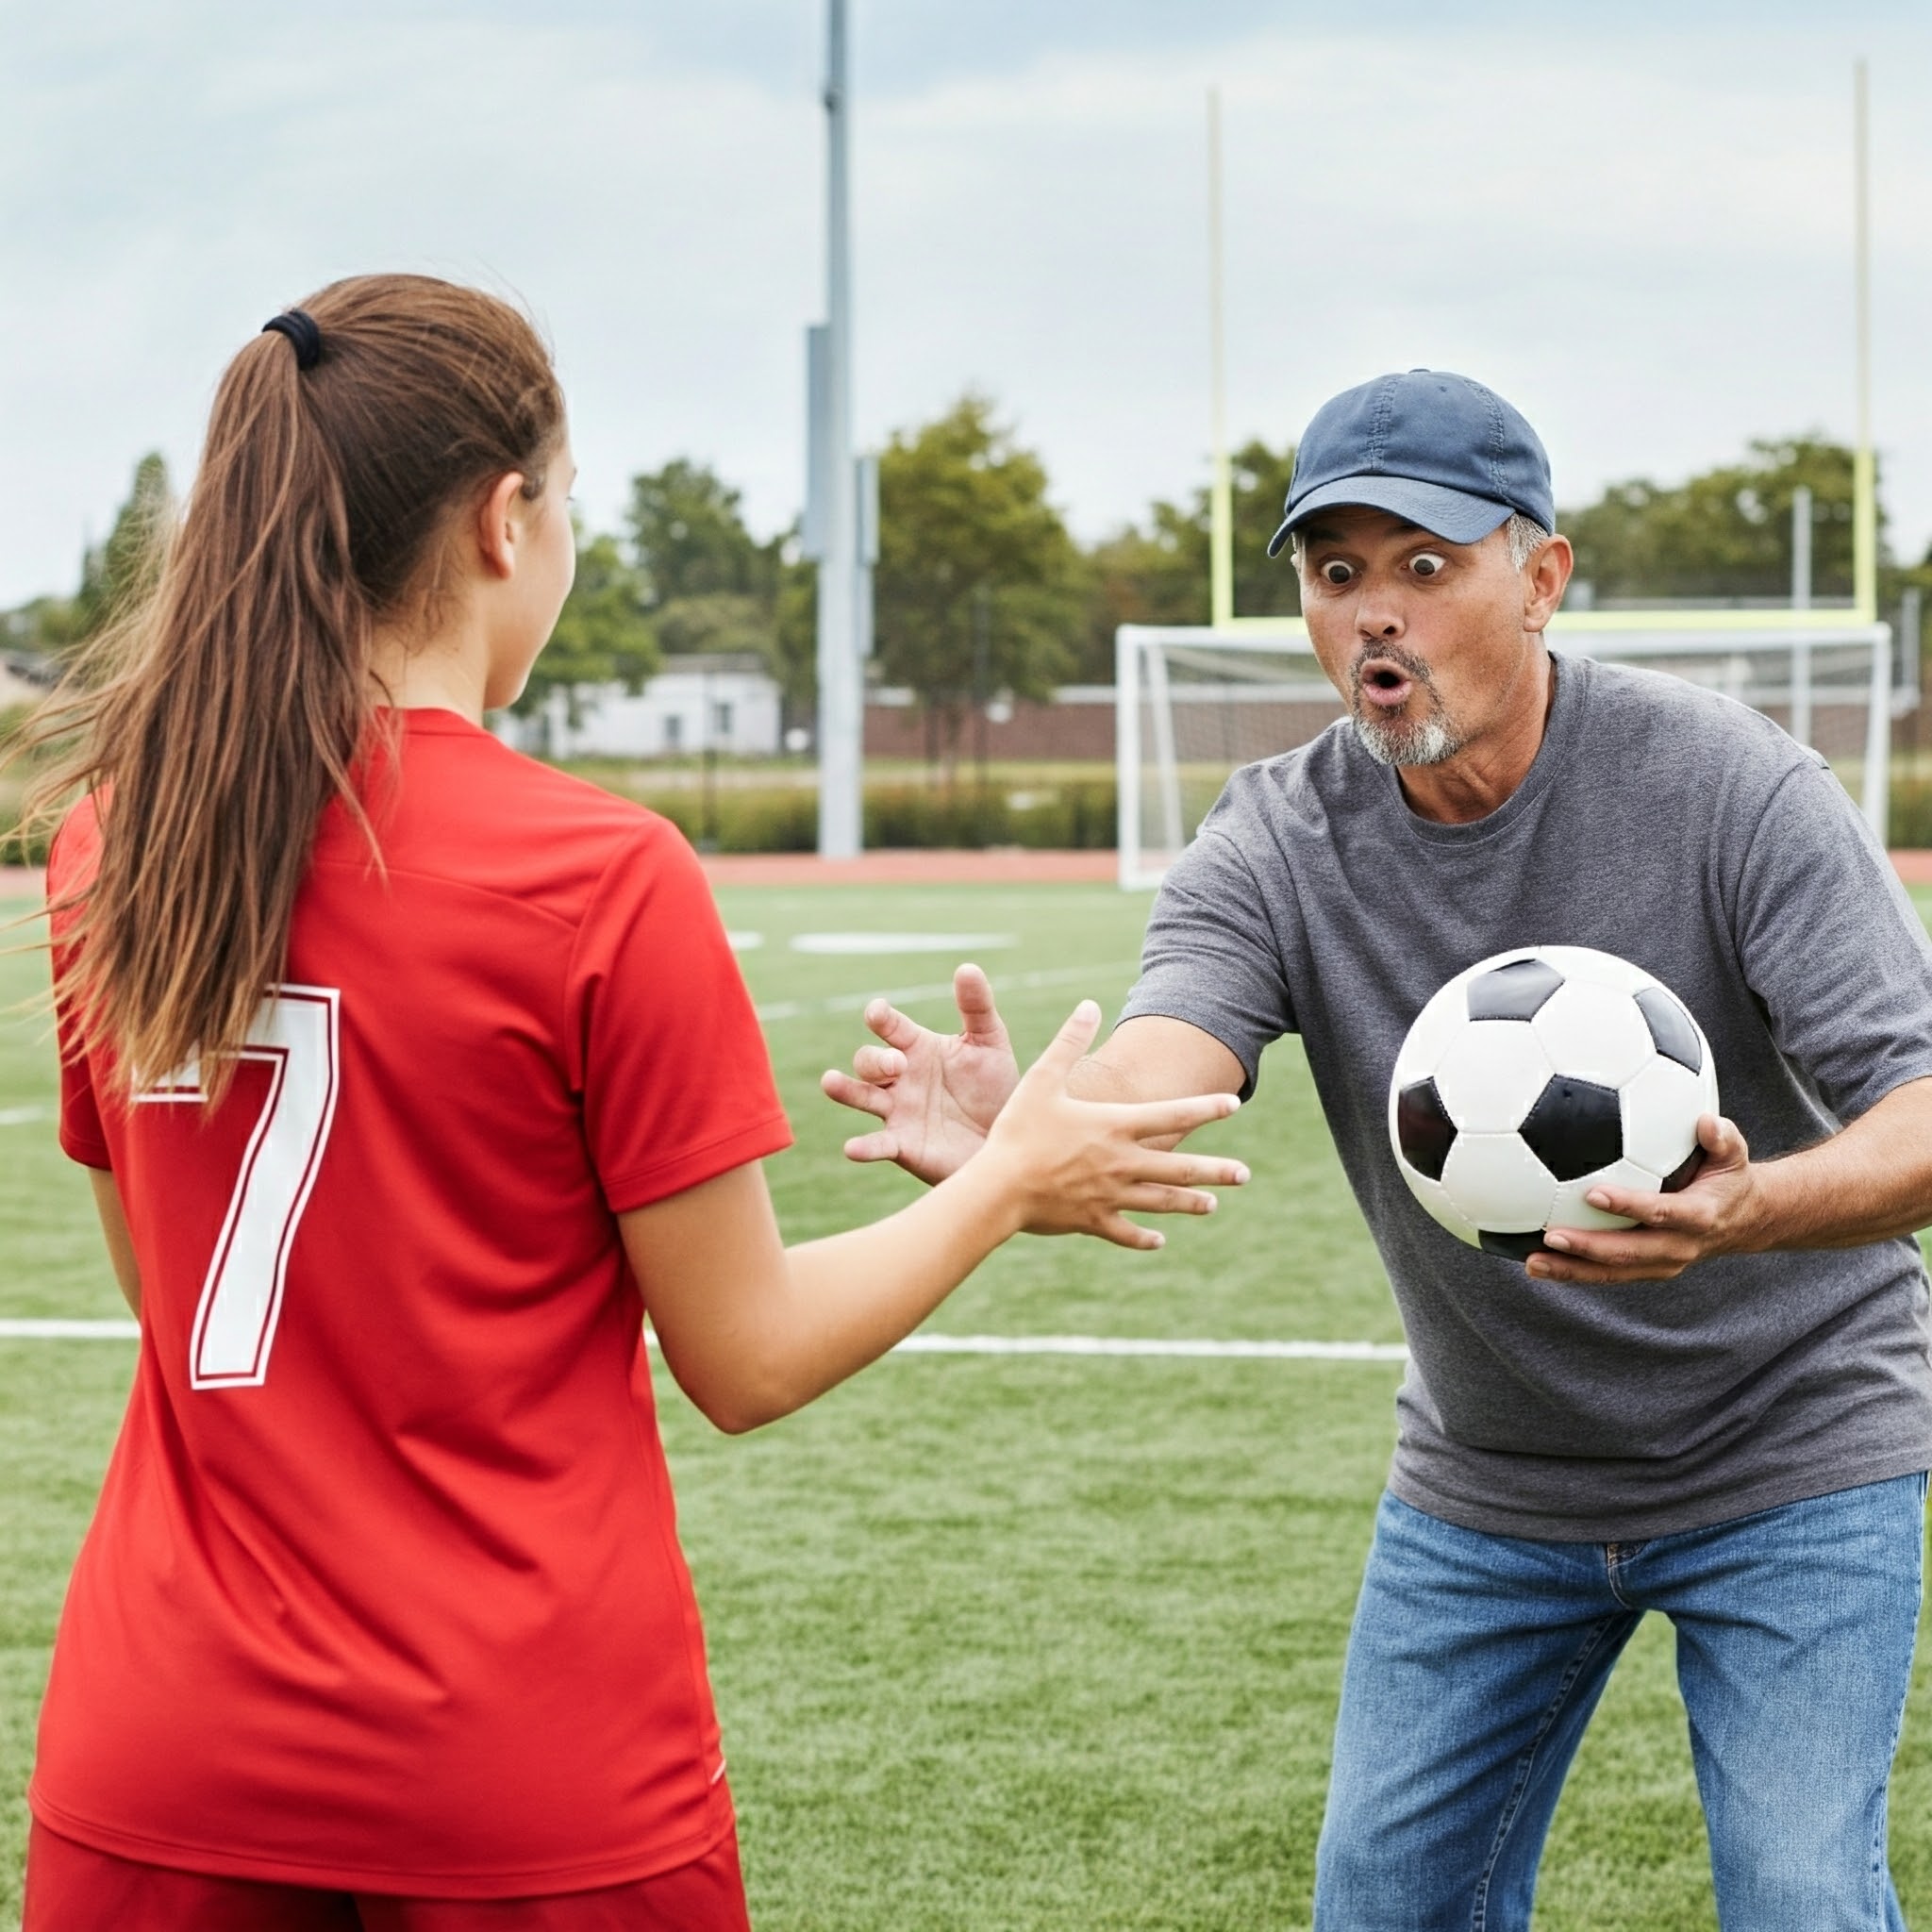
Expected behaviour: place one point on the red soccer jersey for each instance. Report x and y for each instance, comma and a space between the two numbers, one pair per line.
384, 1590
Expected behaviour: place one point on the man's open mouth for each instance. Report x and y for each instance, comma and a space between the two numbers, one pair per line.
1385, 686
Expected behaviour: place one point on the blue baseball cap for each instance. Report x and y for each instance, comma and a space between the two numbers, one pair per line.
1438, 450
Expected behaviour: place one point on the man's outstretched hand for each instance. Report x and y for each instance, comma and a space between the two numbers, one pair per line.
935, 1094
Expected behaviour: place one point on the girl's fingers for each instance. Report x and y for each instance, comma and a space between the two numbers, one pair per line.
1123, 1233
1153, 1120
1151, 1197
1070, 1042
879, 1146
850, 1092
1187, 1170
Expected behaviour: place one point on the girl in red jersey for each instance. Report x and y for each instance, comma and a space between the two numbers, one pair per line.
411, 1074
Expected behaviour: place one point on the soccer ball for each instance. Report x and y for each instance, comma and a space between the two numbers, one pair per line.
1536, 1074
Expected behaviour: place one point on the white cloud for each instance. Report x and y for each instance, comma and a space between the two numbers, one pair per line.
1640, 237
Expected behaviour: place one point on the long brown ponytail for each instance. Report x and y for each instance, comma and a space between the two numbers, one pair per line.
213, 725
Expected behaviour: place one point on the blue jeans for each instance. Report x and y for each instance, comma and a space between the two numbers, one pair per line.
1476, 1661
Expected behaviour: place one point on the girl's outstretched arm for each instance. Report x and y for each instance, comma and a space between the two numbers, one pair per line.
753, 1330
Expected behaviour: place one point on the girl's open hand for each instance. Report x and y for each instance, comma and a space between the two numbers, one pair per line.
1082, 1166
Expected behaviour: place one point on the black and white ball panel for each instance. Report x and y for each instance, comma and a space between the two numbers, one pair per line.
1515, 991
1424, 1131
1492, 1074
1515, 1190
1655, 1104
1539, 1074
1593, 1033
1517, 1247
1576, 1127
1672, 1029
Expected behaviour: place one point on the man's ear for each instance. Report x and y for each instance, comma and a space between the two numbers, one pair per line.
496, 530
1544, 579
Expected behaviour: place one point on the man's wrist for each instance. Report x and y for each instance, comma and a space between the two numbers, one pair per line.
1773, 1212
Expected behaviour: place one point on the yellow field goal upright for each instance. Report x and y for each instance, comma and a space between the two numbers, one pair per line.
1193, 703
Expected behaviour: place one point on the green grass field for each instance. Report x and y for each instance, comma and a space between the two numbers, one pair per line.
1000, 1643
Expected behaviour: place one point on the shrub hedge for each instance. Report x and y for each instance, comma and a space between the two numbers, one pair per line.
1910, 828
15, 850
1076, 814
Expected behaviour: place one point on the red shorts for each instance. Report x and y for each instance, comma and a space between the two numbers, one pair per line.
72, 1888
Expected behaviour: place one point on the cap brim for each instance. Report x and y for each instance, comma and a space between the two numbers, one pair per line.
1454, 516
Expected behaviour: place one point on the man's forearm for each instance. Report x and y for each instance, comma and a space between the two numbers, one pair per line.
1096, 1078
1153, 1057
1868, 1182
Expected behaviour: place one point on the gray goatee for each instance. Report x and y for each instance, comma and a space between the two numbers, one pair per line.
1389, 742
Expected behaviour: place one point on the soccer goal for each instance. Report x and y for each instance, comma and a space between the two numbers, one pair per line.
1193, 704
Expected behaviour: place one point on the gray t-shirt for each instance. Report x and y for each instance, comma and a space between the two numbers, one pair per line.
1684, 832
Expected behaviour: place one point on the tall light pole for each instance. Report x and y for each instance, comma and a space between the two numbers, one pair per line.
1221, 497
834, 518
1864, 466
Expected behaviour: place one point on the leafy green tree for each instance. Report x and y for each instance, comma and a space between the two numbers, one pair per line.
716, 620
712, 586
1726, 533
1157, 575
114, 575
795, 638
1160, 573
604, 634
117, 575
979, 585
45, 626
1264, 586
688, 538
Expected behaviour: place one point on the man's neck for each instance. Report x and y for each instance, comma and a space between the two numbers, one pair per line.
1484, 774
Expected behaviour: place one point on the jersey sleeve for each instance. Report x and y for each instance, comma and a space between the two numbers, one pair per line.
1211, 957
82, 1137
1832, 947
668, 1057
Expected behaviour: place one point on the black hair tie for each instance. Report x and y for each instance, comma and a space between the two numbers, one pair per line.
299, 326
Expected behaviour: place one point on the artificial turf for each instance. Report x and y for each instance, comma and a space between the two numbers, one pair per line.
999, 1641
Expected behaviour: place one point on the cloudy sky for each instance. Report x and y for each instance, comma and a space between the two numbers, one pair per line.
1632, 219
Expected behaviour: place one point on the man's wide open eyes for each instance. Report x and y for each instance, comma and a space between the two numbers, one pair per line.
1336, 571
1427, 564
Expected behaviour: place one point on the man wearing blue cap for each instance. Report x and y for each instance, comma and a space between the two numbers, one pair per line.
1723, 1413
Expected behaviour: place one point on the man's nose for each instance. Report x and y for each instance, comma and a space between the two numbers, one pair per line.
1378, 614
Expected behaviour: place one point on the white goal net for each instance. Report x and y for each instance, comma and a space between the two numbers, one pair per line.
1193, 703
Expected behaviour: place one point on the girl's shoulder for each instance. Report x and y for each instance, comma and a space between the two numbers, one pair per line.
75, 849
462, 808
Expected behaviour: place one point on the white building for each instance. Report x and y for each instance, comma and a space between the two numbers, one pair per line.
727, 703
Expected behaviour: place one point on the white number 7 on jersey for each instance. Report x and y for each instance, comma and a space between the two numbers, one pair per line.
295, 1033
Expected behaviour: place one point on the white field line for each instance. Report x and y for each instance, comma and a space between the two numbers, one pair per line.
874, 944
941, 989
23, 1116
1186, 1349
17, 1329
